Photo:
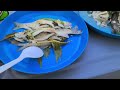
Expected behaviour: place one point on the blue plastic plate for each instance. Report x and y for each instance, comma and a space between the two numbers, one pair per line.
70, 52
107, 31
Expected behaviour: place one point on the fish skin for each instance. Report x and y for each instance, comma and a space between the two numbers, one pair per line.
43, 21
29, 26
9, 36
56, 38
32, 25
18, 39
13, 41
66, 32
43, 30
43, 36
20, 35
63, 24
59, 23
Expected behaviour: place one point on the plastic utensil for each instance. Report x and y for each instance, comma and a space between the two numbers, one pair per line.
30, 52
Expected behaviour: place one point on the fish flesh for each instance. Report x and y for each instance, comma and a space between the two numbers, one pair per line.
43, 21
33, 25
55, 38
18, 39
43, 36
66, 32
9, 36
43, 30
28, 26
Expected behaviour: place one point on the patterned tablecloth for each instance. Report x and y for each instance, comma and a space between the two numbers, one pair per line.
100, 57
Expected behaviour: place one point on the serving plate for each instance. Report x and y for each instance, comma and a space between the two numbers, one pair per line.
107, 31
70, 52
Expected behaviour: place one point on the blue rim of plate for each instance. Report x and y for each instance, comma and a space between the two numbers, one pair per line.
84, 40
106, 31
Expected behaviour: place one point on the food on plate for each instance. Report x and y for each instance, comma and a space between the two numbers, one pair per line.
45, 33
107, 18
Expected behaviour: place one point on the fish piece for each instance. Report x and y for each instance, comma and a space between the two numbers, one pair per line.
67, 25
9, 36
43, 21
19, 39
40, 61
60, 24
43, 43
23, 46
57, 50
115, 28
56, 38
57, 27
20, 35
33, 25
66, 32
115, 23
34, 43
75, 30
115, 16
119, 18
63, 38
48, 42
43, 36
55, 23
37, 32
63, 33
13, 41
43, 30
44, 26
29, 35
101, 17
46, 51
28, 26
59, 42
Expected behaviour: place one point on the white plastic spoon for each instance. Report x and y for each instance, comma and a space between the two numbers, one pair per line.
30, 52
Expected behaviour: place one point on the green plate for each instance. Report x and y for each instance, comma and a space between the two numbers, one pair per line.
3, 15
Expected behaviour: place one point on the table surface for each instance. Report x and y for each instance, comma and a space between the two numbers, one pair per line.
101, 56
